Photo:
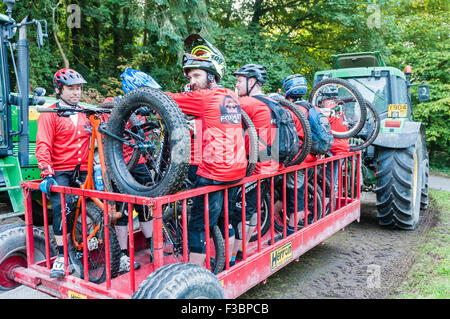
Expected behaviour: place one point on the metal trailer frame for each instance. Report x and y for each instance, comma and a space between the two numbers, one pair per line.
261, 258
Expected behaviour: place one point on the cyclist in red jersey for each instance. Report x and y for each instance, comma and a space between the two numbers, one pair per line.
223, 159
294, 88
250, 79
62, 142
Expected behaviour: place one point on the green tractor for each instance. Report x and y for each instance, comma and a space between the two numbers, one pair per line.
395, 166
18, 116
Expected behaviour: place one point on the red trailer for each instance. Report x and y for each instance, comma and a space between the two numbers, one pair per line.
268, 251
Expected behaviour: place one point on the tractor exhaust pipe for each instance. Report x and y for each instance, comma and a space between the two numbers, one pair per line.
23, 77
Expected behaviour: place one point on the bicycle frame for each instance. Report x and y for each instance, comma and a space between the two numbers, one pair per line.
96, 138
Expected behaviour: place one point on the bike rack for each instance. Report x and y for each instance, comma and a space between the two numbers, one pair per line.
261, 258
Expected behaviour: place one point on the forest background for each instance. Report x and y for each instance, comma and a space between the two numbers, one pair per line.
100, 39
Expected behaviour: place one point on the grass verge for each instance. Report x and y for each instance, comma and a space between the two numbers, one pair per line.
429, 277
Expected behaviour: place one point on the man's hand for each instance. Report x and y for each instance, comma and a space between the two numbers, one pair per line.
48, 181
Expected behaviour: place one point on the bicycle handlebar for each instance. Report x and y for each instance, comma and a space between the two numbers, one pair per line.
63, 109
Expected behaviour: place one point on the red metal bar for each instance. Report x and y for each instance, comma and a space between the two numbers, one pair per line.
324, 189
244, 228
358, 177
306, 199
184, 225
158, 236
258, 213
29, 226
226, 232
284, 205
47, 241
84, 234
315, 193
352, 178
295, 202
107, 250
272, 233
131, 246
332, 189
339, 185
207, 225
346, 178
64, 228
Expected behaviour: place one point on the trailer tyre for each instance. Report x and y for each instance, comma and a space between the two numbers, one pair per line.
13, 251
180, 281
399, 186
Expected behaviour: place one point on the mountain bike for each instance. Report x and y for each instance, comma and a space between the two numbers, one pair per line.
90, 242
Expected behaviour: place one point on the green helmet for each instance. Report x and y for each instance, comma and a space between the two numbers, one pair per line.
203, 55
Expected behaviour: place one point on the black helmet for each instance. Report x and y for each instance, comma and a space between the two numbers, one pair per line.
203, 55
253, 70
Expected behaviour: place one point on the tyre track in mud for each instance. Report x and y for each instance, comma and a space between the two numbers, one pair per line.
362, 261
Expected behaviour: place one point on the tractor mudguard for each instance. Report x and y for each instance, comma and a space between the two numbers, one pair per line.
399, 138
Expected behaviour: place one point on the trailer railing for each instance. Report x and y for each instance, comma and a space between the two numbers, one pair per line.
263, 255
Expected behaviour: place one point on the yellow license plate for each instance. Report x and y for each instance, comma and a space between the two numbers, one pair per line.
397, 110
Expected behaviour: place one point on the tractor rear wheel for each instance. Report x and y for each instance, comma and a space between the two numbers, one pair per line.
399, 185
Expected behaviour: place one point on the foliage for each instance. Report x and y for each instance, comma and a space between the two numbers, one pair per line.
287, 36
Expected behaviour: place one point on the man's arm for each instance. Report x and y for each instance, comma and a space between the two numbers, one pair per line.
44, 142
190, 103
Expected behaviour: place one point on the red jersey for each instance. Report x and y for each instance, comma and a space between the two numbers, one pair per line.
223, 145
261, 116
339, 145
62, 142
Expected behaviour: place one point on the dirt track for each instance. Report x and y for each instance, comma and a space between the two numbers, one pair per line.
362, 261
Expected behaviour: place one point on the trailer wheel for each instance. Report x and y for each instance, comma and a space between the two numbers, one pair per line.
399, 186
13, 251
180, 281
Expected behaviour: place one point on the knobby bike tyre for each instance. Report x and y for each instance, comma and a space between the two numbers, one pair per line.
97, 256
278, 220
307, 136
172, 222
356, 97
250, 130
175, 150
373, 125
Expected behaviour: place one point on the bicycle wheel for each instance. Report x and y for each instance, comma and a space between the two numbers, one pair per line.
369, 132
96, 247
342, 102
305, 147
253, 146
278, 216
173, 238
162, 137
265, 214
